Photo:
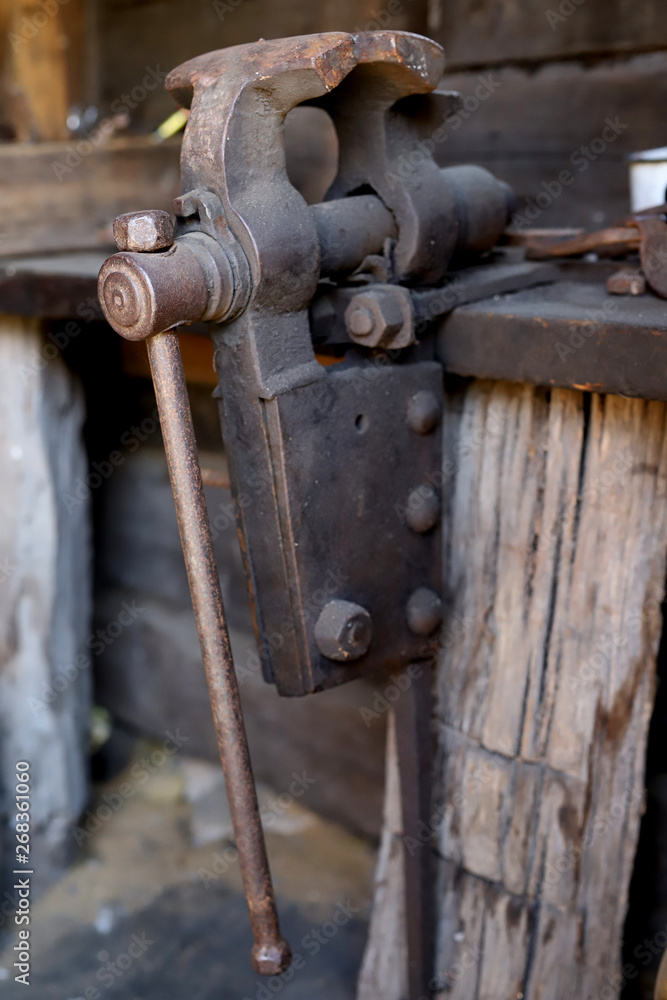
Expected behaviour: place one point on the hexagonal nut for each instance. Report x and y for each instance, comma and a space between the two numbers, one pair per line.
380, 316
144, 232
343, 631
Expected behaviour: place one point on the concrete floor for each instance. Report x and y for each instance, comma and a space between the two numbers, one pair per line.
154, 909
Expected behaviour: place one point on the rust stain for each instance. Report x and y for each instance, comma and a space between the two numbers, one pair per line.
549, 931
514, 913
620, 713
588, 386
644, 469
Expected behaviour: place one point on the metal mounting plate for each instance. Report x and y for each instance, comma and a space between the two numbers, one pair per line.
343, 461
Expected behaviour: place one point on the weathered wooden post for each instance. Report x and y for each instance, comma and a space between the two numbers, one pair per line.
45, 599
554, 553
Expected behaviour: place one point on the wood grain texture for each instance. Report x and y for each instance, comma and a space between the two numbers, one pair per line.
45, 596
45, 47
384, 969
555, 550
65, 196
495, 31
165, 33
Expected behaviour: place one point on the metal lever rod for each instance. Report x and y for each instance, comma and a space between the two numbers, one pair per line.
270, 953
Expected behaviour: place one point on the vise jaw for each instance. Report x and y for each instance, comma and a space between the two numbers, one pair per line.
335, 469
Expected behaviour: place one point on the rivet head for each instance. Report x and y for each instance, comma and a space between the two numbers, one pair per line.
424, 411
424, 611
343, 631
423, 509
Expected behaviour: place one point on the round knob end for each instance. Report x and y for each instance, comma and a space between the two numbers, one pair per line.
270, 959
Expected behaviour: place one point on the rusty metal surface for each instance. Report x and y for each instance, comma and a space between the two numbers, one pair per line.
313, 466
388, 109
53, 286
270, 954
568, 334
653, 252
627, 281
350, 230
329, 310
646, 233
607, 242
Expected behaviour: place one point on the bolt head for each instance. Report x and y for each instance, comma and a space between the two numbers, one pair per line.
343, 631
424, 611
376, 317
424, 412
361, 322
143, 232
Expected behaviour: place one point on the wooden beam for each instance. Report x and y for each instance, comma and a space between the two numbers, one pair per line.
65, 196
555, 549
46, 46
164, 33
482, 33
45, 596
529, 127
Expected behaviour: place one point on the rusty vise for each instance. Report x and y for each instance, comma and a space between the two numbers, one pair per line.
335, 469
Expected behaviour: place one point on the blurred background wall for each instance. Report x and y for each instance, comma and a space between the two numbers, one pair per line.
81, 96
